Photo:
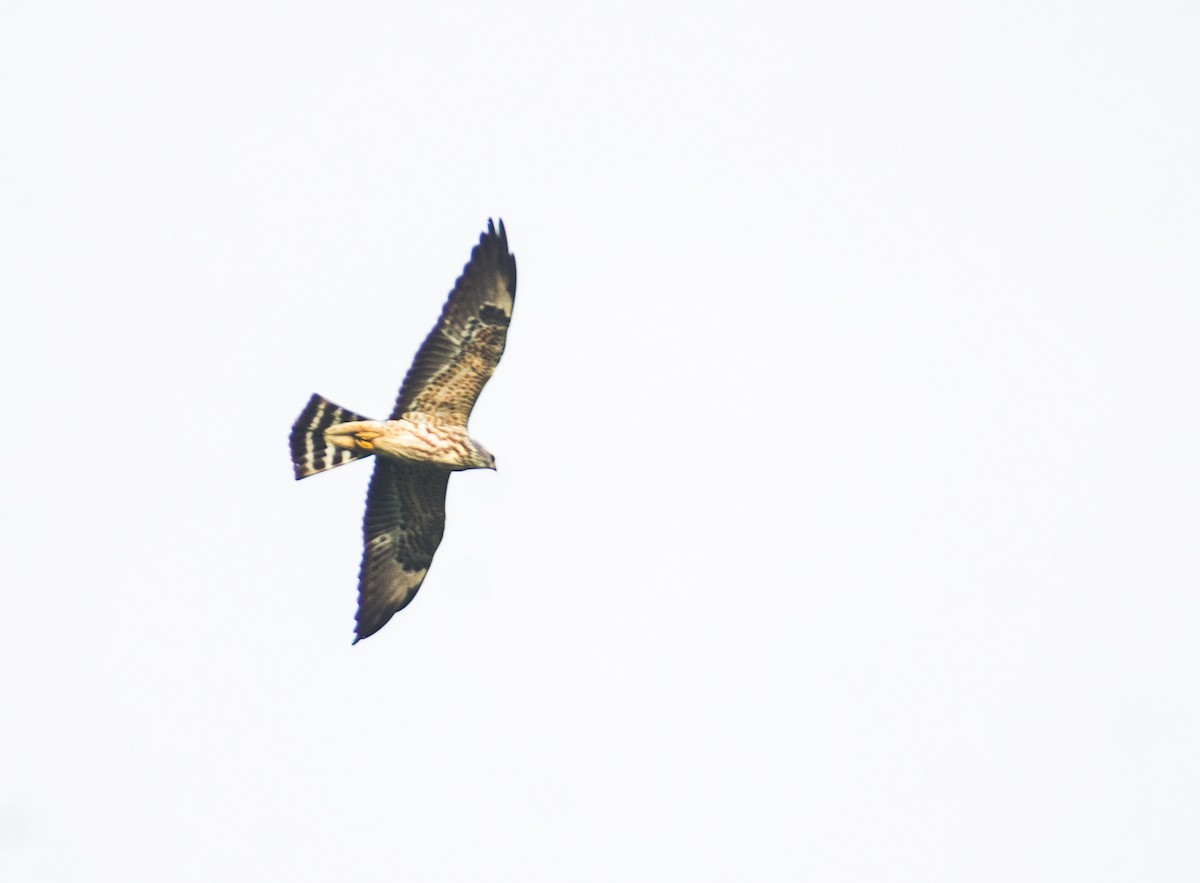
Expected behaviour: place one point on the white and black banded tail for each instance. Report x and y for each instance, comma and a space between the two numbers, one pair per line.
310, 452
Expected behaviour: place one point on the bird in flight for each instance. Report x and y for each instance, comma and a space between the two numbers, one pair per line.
424, 439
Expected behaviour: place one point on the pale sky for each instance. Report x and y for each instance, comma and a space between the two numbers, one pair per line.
846, 520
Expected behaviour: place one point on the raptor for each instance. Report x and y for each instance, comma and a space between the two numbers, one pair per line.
423, 440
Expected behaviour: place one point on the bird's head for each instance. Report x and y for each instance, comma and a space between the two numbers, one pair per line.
480, 458
358, 435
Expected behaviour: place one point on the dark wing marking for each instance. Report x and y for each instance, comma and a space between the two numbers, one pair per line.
462, 350
406, 513
310, 452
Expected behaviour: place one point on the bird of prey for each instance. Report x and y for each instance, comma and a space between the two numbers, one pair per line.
424, 439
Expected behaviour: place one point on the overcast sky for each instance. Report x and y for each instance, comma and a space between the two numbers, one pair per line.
846, 520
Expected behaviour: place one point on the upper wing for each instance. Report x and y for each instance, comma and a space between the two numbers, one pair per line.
462, 350
406, 513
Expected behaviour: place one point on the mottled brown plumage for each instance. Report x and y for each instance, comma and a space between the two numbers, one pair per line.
425, 438
465, 345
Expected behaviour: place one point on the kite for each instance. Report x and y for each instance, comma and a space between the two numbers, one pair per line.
424, 439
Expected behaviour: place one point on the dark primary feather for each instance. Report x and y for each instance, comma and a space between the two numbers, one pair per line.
462, 350
406, 513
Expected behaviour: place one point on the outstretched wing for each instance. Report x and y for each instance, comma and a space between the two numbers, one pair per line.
462, 350
406, 513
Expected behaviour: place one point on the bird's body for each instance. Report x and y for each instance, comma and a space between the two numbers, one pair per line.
425, 438
415, 438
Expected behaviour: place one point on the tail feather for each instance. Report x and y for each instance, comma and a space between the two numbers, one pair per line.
310, 452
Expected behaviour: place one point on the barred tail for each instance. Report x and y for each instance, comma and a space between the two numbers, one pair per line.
310, 452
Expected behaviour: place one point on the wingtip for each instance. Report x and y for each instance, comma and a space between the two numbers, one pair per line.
495, 230
496, 244
363, 628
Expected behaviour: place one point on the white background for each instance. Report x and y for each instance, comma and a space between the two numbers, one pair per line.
846, 520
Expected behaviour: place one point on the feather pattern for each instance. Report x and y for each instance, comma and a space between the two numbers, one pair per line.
406, 514
465, 345
311, 453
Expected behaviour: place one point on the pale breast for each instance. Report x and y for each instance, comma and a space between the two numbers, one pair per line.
422, 441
